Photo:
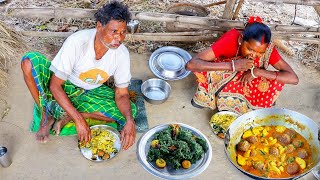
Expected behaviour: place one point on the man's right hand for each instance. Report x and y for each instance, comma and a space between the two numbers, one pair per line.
84, 132
243, 64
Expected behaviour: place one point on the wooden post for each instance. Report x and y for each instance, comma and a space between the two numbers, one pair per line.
317, 8
228, 10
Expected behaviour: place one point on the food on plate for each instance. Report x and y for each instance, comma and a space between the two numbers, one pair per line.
186, 164
161, 163
221, 121
101, 144
176, 147
273, 152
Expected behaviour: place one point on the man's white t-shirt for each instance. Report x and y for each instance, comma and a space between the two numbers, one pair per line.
76, 62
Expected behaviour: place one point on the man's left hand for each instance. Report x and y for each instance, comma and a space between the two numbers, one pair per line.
128, 134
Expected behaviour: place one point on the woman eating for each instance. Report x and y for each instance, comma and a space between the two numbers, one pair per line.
233, 73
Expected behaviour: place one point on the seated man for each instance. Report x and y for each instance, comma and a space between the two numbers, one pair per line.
71, 86
233, 73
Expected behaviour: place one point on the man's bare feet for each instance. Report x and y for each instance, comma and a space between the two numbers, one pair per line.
42, 135
59, 124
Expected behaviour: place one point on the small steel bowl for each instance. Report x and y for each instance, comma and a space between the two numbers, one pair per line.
132, 26
155, 91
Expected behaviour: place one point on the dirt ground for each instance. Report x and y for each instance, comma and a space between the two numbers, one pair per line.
61, 159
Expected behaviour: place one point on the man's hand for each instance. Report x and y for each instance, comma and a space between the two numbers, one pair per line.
243, 64
246, 78
128, 134
84, 132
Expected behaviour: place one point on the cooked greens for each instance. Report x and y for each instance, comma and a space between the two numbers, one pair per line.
174, 145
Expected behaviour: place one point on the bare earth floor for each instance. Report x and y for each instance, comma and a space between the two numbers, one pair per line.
61, 159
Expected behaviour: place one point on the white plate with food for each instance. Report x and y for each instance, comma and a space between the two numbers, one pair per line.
104, 144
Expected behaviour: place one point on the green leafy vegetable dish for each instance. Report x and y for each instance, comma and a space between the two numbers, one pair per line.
176, 147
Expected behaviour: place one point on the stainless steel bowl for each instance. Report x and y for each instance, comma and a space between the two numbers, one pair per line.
155, 91
132, 26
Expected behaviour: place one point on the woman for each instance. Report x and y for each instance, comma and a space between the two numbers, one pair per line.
233, 75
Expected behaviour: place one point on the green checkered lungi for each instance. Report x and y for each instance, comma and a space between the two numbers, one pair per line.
101, 99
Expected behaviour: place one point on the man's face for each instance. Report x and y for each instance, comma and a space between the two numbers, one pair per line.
112, 33
252, 49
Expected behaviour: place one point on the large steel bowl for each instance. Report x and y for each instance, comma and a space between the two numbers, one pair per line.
155, 91
273, 117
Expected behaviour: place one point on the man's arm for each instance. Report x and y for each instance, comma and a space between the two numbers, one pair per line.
128, 132
63, 100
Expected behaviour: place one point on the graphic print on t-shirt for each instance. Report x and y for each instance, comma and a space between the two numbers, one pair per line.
94, 76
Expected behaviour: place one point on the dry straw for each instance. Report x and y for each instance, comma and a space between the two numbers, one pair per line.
11, 45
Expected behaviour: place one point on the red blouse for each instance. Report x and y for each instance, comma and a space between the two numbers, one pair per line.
227, 45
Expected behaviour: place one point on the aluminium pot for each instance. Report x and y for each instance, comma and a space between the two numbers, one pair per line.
272, 117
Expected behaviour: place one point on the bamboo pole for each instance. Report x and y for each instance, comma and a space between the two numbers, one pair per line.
189, 21
283, 47
228, 10
147, 16
236, 12
191, 37
298, 2
49, 12
136, 36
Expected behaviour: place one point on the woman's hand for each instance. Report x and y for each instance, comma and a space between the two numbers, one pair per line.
246, 78
243, 64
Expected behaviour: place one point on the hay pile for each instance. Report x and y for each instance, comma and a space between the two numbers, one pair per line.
11, 44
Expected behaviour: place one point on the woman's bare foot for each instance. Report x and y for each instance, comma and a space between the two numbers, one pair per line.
42, 135
59, 124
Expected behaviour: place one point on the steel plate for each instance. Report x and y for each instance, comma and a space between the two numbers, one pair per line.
169, 62
87, 153
143, 147
221, 127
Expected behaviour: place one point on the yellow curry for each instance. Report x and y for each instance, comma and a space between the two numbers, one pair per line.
273, 152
